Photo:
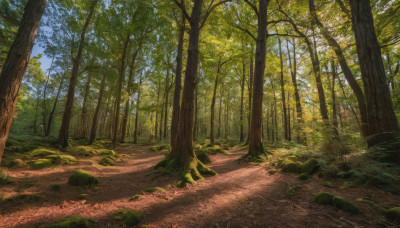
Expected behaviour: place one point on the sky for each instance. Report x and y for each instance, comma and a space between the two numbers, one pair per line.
45, 61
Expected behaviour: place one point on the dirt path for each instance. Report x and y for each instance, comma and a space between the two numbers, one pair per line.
242, 195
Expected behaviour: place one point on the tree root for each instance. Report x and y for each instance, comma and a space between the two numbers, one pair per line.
190, 174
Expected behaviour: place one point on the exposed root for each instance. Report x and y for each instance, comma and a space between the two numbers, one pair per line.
190, 174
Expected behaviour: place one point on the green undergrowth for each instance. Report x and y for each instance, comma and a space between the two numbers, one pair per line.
72, 222
129, 217
393, 213
5, 178
153, 189
156, 148
136, 197
325, 198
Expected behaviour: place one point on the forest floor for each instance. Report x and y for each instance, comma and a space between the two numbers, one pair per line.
242, 195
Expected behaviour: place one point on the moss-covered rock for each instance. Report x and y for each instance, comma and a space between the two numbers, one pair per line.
272, 171
55, 187
325, 198
82, 178
160, 147
290, 167
310, 166
215, 149
15, 163
43, 152
393, 213
203, 157
41, 163
130, 217
345, 205
109, 153
106, 161
304, 176
198, 147
135, 197
327, 184
84, 151
62, 159
153, 189
72, 222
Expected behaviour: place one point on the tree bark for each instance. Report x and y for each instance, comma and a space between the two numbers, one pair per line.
54, 108
382, 121
166, 103
285, 121
64, 130
135, 133
241, 102
15, 65
178, 84
213, 103
334, 109
119, 91
256, 148
250, 90
83, 128
97, 111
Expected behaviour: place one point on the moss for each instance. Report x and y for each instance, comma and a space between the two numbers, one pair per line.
198, 147
345, 205
82, 178
85, 151
109, 153
72, 222
41, 163
330, 171
324, 198
62, 159
289, 191
304, 176
203, 157
130, 217
5, 178
393, 213
327, 184
55, 187
215, 149
153, 189
26, 198
135, 197
272, 171
290, 167
160, 147
43, 152
106, 161
310, 166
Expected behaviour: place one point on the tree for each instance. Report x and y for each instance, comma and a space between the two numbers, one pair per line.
256, 147
15, 65
382, 122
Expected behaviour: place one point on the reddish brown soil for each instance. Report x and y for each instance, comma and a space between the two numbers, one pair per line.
242, 195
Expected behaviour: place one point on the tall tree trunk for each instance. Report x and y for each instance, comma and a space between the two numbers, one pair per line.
219, 115
256, 148
64, 130
97, 111
301, 137
334, 109
158, 106
382, 121
166, 103
119, 91
178, 85
345, 69
241, 102
50, 121
250, 87
135, 134
44, 104
161, 120
288, 118
196, 125
182, 155
129, 93
83, 128
15, 65
213, 103
285, 121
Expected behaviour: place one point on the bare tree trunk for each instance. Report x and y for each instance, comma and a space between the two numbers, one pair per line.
256, 148
50, 121
288, 118
135, 134
285, 122
196, 125
250, 87
334, 109
178, 85
241, 102
64, 130
382, 121
44, 104
158, 105
83, 128
15, 65
97, 112
213, 103
166, 103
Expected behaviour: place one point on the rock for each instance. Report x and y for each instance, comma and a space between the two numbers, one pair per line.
310, 166
204, 158
325, 198
130, 217
393, 213
43, 152
82, 178
41, 163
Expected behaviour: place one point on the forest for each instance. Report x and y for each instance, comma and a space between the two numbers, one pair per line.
199, 113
